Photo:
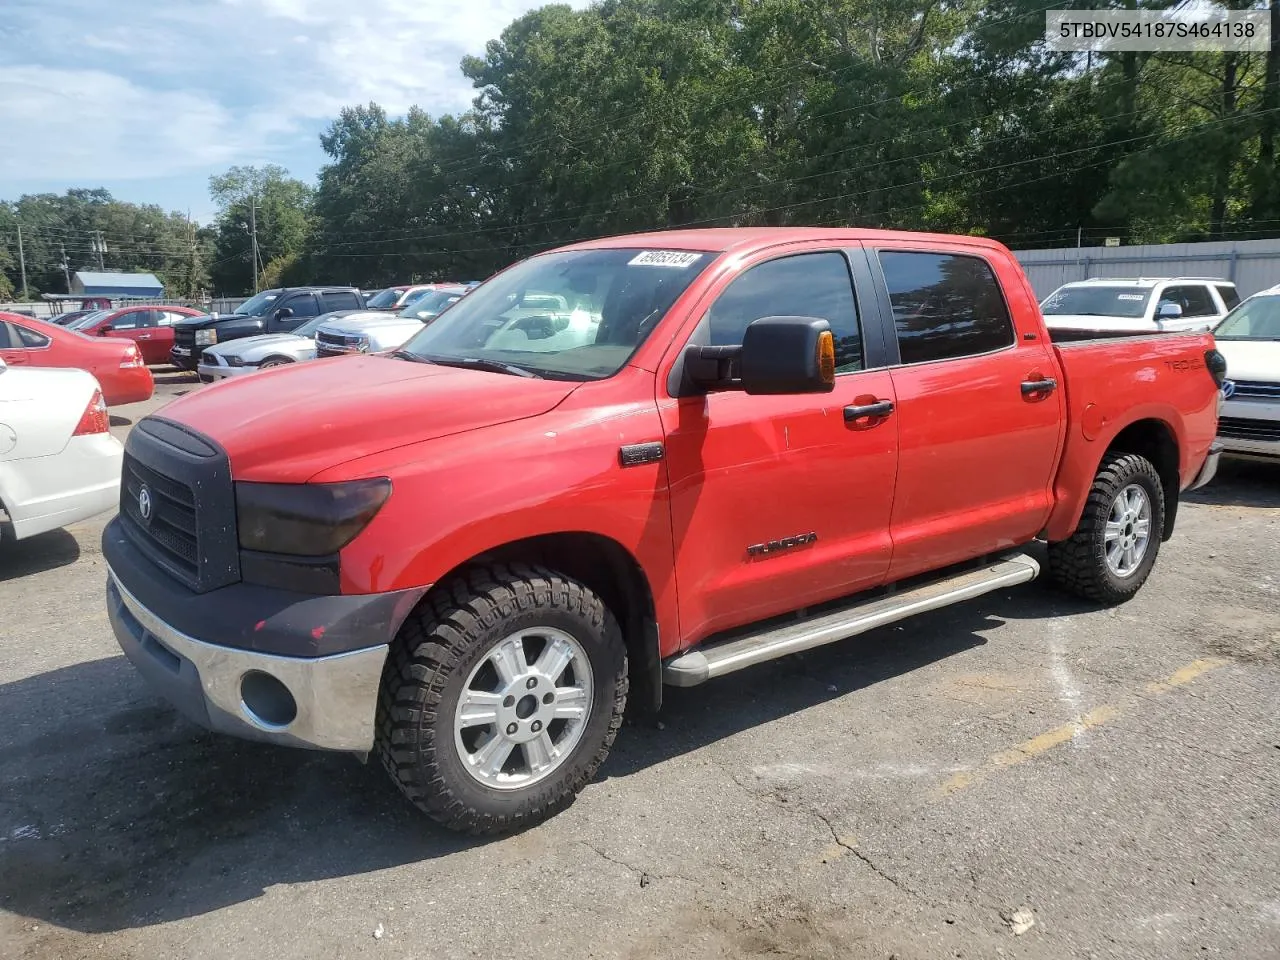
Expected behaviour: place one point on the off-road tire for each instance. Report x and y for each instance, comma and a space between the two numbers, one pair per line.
433, 653
1079, 564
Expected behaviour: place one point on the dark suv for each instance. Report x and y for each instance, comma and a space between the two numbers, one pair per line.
271, 311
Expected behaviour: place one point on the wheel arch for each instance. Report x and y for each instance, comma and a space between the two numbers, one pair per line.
1152, 436
1155, 440
610, 570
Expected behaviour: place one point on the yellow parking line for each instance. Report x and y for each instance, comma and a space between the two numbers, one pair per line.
1030, 749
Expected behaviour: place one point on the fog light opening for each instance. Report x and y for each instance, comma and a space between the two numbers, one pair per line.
267, 701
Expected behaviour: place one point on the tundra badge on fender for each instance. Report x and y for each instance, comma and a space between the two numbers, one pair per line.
776, 546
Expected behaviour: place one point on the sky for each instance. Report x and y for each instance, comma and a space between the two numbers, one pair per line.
149, 99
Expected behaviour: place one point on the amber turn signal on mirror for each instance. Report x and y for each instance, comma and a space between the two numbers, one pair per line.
827, 357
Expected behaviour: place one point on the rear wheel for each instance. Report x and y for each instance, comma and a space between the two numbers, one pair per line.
1111, 554
501, 698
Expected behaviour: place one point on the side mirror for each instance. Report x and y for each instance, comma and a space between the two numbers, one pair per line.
778, 355
1168, 311
284, 313
105, 329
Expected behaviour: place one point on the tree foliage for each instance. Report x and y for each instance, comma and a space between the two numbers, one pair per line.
946, 115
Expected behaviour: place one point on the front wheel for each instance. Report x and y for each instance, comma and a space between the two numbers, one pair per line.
501, 698
270, 362
1113, 549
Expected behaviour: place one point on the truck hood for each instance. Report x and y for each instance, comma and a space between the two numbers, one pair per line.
369, 320
196, 323
1257, 360
239, 347
288, 424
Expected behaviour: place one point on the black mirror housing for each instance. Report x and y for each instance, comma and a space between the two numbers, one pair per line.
778, 355
284, 313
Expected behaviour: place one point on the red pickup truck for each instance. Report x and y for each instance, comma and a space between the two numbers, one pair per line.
634, 461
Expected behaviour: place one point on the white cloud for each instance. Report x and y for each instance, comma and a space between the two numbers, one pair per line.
146, 90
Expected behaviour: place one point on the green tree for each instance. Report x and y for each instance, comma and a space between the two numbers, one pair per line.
269, 198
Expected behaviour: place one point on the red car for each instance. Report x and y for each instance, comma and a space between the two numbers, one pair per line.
150, 327
121, 371
643, 460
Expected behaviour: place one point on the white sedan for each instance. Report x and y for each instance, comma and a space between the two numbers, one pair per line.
59, 462
1249, 338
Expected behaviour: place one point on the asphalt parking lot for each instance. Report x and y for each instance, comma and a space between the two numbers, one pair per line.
1020, 776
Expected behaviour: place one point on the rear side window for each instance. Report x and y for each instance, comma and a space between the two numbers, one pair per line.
945, 306
1193, 298
806, 285
7, 342
1229, 296
340, 300
303, 306
29, 338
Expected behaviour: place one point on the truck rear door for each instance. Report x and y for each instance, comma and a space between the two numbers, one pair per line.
979, 404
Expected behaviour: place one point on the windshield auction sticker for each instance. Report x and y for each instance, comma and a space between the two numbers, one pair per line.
663, 258
1184, 28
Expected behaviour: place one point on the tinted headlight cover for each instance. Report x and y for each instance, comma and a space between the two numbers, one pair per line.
306, 519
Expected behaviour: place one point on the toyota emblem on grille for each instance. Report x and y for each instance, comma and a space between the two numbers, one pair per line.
144, 502
1228, 389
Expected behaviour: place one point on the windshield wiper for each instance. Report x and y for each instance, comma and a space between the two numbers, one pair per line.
483, 363
406, 355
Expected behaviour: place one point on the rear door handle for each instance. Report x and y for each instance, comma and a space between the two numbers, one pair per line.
881, 408
144, 336
1031, 387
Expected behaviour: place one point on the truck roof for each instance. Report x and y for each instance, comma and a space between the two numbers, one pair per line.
1145, 281
747, 239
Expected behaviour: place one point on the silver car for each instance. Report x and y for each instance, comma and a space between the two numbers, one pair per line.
250, 354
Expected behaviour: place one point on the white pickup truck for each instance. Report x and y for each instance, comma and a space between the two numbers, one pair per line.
1111, 306
370, 331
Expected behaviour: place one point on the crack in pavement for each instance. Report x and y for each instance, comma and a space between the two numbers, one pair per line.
643, 875
875, 867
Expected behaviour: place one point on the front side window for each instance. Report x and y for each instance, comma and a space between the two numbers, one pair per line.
572, 315
1097, 300
945, 306
126, 321
303, 306
1194, 299
805, 285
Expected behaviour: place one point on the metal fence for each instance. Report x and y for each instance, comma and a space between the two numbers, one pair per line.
1252, 265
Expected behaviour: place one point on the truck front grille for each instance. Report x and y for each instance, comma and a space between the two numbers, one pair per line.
1242, 428
177, 504
184, 338
1255, 390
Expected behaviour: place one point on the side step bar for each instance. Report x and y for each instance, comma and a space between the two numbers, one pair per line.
698, 666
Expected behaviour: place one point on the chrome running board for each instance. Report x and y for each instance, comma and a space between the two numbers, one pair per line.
705, 663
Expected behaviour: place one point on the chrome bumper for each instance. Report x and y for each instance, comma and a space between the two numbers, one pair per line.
323, 703
1210, 467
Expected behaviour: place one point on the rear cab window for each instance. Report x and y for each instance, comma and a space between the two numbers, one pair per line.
945, 305
1230, 298
333, 300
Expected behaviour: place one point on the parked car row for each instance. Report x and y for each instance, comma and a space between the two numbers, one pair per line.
117, 364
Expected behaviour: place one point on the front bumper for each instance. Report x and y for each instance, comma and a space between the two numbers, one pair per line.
324, 703
181, 357
198, 650
210, 372
1210, 467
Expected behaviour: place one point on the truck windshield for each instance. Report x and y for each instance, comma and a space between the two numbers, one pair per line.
428, 304
1256, 319
574, 315
1100, 301
258, 305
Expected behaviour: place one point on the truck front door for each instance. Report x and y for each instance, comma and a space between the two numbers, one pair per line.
779, 502
979, 409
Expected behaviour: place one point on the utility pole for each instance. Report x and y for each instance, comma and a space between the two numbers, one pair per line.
66, 272
253, 229
99, 247
22, 262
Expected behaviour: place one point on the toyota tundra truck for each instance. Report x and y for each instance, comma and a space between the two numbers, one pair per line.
719, 448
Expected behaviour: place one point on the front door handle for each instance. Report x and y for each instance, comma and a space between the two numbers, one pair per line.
1032, 387
144, 336
881, 408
